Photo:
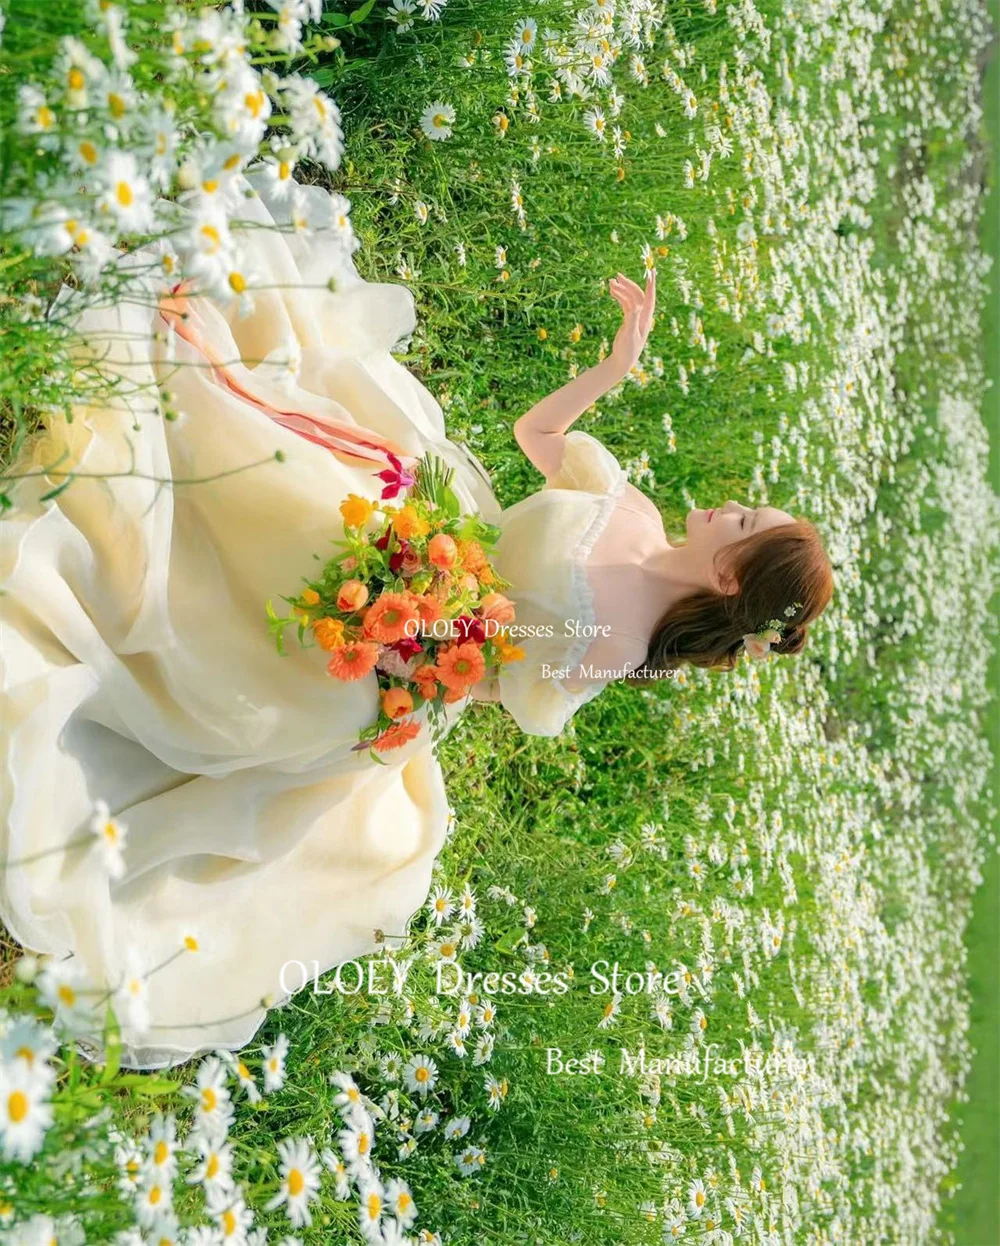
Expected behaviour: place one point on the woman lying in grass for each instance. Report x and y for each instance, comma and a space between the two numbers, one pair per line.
141, 689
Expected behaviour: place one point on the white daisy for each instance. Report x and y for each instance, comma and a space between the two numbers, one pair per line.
153, 1197
274, 1064
437, 119
420, 1074
161, 1147
470, 1160
213, 1109
356, 1142
399, 1201
457, 1128
127, 197
132, 996
64, 988
371, 1207
214, 1169
440, 904
300, 1180
109, 834
230, 1212
425, 1121
696, 1198
349, 1098
335, 1165
31, 1040
25, 1110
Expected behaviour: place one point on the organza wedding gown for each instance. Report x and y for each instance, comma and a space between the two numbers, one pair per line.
136, 667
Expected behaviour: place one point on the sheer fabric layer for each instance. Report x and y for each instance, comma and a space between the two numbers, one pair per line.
136, 665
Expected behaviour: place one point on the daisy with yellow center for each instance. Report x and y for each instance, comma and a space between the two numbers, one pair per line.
274, 1064
420, 1074
25, 1111
300, 1173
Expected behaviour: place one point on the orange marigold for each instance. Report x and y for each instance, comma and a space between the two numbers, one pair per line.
329, 632
409, 524
507, 652
396, 736
428, 608
460, 666
353, 660
472, 556
391, 617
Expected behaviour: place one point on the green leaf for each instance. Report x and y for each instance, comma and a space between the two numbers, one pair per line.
112, 1047
54, 493
144, 1084
359, 15
511, 939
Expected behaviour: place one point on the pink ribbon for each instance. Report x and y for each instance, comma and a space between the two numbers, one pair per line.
342, 440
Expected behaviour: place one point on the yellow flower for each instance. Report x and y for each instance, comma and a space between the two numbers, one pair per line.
409, 524
507, 652
329, 633
310, 597
356, 510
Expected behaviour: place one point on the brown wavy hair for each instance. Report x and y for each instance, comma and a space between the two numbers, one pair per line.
773, 570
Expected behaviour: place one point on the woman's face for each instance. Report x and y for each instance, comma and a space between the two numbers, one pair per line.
710, 530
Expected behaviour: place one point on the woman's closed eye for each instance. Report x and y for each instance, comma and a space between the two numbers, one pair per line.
743, 522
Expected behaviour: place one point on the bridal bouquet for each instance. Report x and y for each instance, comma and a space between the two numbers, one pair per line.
412, 596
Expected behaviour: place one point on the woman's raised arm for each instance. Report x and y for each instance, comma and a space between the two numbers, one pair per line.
541, 431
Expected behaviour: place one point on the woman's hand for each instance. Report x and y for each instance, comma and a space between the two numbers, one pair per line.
638, 306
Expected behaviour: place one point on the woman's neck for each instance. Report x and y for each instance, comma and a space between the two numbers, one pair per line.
675, 572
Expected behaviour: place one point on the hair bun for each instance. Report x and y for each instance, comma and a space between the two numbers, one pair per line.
793, 640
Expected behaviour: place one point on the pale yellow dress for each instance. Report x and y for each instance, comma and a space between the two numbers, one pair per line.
136, 666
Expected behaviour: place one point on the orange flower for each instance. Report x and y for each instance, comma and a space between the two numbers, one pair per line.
356, 510
468, 583
396, 702
409, 524
352, 596
498, 608
472, 555
455, 694
396, 736
442, 550
329, 633
428, 608
460, 666
391, 617
310, 597
353, 660
425, 677
486, 576
507, 652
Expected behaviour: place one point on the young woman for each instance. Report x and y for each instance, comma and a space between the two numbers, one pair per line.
603, 595
182, 816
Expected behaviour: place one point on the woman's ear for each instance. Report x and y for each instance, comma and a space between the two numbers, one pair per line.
726, 583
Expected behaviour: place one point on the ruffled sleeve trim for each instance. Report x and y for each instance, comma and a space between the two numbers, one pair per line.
587, 466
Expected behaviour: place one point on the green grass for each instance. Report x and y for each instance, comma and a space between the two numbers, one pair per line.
974, 1213
795, 838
